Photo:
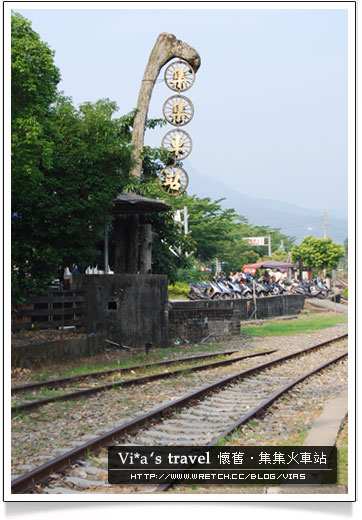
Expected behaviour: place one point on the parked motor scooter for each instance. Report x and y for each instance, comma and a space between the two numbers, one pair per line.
282, 288
199, 291
247, 291
322, 287
235, 288
260, 289
227, 293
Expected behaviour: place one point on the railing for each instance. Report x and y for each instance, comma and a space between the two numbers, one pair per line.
52, 311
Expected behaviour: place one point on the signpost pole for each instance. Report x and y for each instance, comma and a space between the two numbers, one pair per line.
106, 255
254, 297
334, 289
300, 267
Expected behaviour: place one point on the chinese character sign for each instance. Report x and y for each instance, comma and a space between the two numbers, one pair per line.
255, 241
178, 110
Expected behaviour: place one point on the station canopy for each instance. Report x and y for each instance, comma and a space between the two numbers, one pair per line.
267, 264
133, 204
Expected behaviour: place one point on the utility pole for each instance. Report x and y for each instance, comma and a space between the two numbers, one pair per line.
324, 236
269, 245
186, 221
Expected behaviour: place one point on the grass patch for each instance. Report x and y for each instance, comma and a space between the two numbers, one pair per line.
342, 457
138, 358
302, 326
176, 296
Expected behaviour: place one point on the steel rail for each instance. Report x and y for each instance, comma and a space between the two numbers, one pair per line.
60, 381
258, 410
37, 474
129, 382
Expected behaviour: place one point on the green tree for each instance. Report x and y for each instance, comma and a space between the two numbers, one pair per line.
219, 233
68, 209
34, 79
344, 261
240, 252
33, 90
215, 233
322, 253
92, 159
209, 224
61, 221
67, 166
278, 255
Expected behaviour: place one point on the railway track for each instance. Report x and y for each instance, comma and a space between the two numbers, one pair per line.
54, 383
86, 392
203, 417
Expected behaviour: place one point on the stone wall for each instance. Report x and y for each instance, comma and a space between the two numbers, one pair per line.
192, 321
271, 306
133, 309
47, 352
130, 309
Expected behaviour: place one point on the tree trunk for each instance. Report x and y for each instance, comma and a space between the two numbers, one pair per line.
165, 49
126, 251
121, 245
133, 244
146, 249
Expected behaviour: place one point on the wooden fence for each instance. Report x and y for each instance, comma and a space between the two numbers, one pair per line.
52, 311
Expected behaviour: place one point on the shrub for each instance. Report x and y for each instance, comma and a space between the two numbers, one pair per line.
179, 289
192, 275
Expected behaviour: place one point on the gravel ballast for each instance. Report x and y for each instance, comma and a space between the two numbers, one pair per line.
54, 429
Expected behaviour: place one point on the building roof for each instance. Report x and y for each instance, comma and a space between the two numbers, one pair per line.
267, 264
131, 203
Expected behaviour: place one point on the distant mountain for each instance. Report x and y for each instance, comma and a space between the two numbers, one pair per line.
293, 220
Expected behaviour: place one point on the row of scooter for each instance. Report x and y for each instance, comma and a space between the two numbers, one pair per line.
315, 288
224, 288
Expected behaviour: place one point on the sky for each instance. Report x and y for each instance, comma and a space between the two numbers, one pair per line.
270, 96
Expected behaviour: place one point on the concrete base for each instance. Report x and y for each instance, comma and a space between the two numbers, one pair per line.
326, 305
324, 432
131, 309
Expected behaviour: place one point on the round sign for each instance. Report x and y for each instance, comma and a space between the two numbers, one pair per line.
178, 142
178, 110
179, 76
173, 180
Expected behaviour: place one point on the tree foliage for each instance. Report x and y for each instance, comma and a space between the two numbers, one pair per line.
219, 233
33, 90
68, 164
322, 253
344, 260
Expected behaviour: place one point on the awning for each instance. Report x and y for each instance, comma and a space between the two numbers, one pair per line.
251, 267
133, 204
267, 264
274, 264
